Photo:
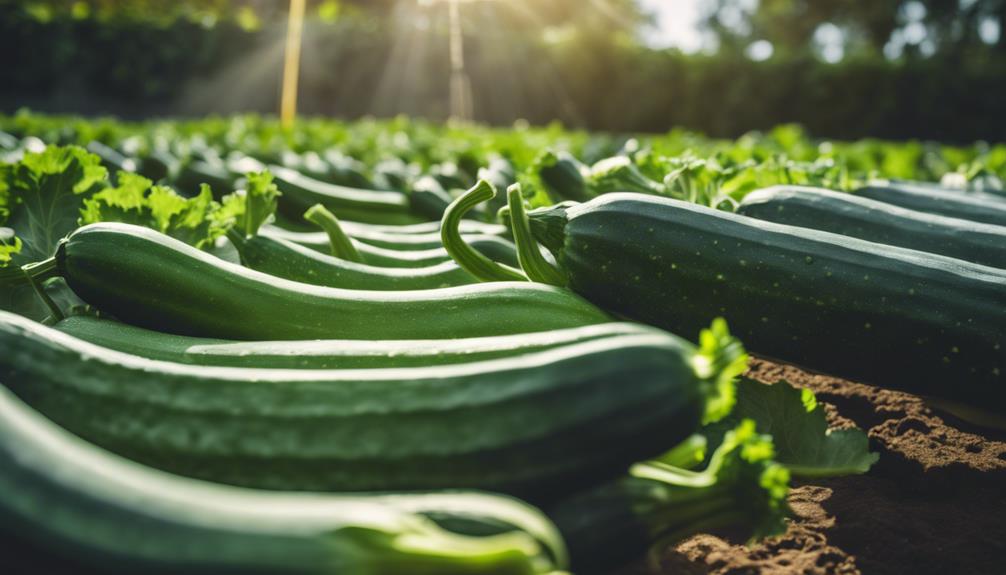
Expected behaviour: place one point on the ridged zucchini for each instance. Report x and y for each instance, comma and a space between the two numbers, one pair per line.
974, 206
888, 315
149, 279
284, 259
531, 425
371, 206
329, 354
494, 247
362, 231
91, 508
867, 219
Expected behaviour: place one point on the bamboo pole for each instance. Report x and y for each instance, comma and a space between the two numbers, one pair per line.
291, 65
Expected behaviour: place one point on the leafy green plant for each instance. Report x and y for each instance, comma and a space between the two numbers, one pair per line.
796, 421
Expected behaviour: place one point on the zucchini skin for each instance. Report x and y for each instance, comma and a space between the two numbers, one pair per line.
149, 279
328, 354
494, 247
901, 318
370, 206
82, 504
974, 206
867, 219
530, 425
197, 172
291, 261
363, 231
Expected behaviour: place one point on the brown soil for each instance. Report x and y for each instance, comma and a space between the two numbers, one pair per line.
934, 503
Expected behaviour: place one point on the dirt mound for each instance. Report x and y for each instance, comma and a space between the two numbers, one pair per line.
934, 502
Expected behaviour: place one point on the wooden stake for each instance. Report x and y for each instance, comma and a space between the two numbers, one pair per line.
291, 65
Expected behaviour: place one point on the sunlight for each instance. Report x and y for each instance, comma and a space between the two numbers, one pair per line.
677, 24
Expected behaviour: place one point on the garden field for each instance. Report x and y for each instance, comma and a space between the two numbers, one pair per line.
397, 346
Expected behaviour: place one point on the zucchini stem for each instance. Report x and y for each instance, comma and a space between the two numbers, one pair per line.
467, 257
534, 264
38, 273
342, 244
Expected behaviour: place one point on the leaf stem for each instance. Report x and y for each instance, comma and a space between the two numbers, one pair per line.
534, 264
38, 273
467, 257
342, 244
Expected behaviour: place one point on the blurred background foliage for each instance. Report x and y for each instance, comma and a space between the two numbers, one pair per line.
929, 69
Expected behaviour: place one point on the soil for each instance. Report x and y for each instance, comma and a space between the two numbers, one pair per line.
934, 503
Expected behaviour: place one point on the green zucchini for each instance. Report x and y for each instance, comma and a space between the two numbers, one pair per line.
84, 505
494, 247
974, 206
921, 322
859, 217
285, 259
657, 504
429, 198
328, 354
149, 279
564, 176
416, 240
111, 158
197, 172
533, 425
363, 231
371, 206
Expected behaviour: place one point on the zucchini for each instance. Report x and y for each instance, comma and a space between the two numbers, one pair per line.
85, 505
371, 206
564, 177
328, 354
741, 489
197, 172
879, 222
494, 247
921, 322
284, 259
149, 279
974, 206
415, 241
111, 158
364, 231
533, 425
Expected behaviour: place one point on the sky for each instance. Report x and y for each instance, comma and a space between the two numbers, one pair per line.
677, 24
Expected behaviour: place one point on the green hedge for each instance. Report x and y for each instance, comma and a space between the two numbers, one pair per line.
137, 70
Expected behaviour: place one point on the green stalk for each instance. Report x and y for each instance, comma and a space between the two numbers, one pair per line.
467, 257
537, 268
38, 273
342, 244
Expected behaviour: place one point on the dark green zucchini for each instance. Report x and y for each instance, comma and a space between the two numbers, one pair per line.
329, 353
149, 279
429, 198
859, 217
285, 259
494, 247
112, 159
404, 240
363, 231
741, 489
534, 424
82, 507
921, 322
974, 206
197, 172
564, 176
371, 206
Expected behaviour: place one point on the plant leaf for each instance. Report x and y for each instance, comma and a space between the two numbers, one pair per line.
799, 430
46, 191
